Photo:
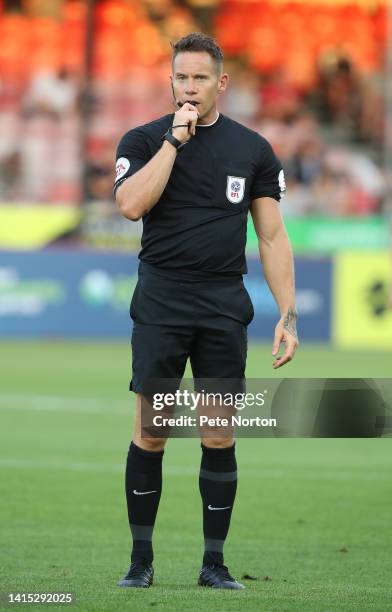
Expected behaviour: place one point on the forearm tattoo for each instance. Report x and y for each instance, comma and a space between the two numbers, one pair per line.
290, 322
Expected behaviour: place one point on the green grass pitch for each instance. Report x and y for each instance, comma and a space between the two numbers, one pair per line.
313, 515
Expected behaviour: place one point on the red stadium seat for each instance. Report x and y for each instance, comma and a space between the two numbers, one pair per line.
45, 43
231, 31
14, 47
74, 12
265, 49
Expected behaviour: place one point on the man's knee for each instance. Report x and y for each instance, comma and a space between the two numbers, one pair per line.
217, 442
140, 436
150, 444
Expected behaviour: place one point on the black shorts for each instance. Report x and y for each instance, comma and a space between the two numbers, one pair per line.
204, 320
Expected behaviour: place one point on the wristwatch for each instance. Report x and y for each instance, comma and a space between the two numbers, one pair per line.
177, 144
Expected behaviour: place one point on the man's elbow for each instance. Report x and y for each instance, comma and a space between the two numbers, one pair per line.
132, 215
129, 210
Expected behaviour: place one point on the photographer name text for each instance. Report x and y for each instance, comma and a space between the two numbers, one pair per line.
206, 421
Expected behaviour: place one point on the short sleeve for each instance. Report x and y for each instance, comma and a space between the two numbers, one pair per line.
269, 179
132, 154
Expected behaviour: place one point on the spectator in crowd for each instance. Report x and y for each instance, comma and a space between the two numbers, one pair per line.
52, 95
50, 147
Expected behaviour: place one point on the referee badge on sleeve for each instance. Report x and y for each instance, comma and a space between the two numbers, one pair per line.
235, 189
122, 167
282, 183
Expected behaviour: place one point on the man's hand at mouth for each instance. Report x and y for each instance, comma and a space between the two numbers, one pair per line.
186, 117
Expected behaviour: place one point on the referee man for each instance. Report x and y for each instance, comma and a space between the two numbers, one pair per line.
192, 176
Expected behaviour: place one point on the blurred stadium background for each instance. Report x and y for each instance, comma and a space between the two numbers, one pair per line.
314, 77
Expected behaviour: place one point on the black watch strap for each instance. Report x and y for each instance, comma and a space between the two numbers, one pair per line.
173, 140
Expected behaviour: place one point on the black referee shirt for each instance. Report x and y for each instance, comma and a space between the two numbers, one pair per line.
198, 227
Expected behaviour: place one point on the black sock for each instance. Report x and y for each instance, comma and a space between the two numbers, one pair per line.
143, 486
218, 485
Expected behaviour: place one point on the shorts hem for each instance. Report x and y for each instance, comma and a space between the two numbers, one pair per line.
135, 387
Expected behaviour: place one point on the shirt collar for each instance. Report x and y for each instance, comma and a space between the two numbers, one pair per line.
209, 124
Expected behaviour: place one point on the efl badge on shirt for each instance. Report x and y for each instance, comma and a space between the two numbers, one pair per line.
235, 189
122, 167
282, 182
